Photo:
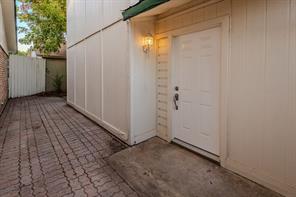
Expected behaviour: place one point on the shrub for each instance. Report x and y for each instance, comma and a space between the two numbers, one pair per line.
57, 82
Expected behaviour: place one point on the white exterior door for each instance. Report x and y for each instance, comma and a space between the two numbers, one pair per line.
197, 76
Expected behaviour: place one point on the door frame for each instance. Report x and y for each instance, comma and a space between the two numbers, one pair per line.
224, 24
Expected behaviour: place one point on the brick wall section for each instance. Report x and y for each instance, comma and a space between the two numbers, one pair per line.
3, 78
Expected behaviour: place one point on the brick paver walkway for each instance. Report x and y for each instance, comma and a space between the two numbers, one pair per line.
49, 149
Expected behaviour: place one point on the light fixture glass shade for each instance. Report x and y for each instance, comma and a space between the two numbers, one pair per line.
147, 43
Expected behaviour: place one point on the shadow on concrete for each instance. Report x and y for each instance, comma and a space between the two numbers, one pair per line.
157, 168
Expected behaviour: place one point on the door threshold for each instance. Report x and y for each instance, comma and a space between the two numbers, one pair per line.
197, 150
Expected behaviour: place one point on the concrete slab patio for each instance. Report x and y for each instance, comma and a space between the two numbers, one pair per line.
157, 168
49, 149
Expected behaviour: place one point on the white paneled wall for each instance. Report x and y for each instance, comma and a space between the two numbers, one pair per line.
98, 86
26, 76
261, 118
100, 59
86, 17
262, 109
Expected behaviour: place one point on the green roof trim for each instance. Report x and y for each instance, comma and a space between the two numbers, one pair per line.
140, 7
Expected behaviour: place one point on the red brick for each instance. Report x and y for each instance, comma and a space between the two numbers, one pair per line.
3, 78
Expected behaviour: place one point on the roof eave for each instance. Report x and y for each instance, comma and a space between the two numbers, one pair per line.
140, 7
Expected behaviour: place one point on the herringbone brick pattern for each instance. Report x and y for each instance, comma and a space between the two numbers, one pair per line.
49, 149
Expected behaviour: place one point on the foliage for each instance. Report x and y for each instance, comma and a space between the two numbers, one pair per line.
22, 53
57, 82
46, 24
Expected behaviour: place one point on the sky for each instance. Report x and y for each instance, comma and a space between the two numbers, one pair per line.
21, 47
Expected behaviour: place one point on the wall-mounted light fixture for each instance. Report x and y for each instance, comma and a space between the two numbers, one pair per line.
147, 43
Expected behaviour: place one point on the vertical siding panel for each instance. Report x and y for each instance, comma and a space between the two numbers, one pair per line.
28, 63
93, 75
276, 89
236, 118
20, 71
33, 67
9, 83
38, 72
11, 76
17, 77
79, 79
36, 67
94, 16
38, 75
254, 88
26, 82
70, 22
70, 74
41, 74
116, 78
291, 145
17, 81
33, 74
31, 83
80, 19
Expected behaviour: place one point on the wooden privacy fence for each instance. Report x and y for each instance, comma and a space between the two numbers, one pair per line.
26, 76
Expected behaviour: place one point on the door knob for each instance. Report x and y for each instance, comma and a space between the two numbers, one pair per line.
176, 98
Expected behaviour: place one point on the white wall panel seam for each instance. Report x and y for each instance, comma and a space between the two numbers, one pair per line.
74, 75
102, 76
292, 80
85, 84
130, 82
